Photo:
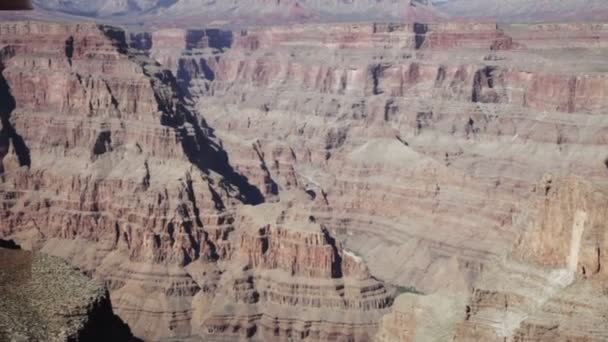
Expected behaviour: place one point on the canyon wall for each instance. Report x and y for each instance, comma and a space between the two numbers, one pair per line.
287, 182
549, 287
107, 165
415, 142
419, 146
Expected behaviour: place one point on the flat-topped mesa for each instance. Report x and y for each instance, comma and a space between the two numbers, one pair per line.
166, 45
379, 35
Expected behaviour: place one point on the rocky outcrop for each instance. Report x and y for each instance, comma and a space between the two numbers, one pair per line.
542, 291
291, 280
43, 299
105, 166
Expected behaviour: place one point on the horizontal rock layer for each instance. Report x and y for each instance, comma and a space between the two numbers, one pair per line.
105, 164
457, 120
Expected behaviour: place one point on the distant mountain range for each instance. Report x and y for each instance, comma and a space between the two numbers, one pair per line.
188, 12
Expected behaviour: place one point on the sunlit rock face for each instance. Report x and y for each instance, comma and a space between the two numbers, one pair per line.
106, 164
287, 182
422, 147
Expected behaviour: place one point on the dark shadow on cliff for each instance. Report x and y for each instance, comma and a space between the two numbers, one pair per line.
207, 155
104, 325
336, 262
8, 134
195, 136
9, 244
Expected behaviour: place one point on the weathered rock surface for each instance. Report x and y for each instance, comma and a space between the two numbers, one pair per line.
291, 280
419, 145
273, 183
44, 299
549, 288
464, 117
106, 165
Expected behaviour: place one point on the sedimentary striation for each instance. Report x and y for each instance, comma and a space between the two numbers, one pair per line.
105, 164
549, 287
418, 144
285, 182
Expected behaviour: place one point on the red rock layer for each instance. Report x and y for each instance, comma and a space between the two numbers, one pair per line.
105, 166
416, 144
292, 281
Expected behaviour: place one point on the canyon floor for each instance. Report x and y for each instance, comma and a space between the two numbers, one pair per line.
317, 182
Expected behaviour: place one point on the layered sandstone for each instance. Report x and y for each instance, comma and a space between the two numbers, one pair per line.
105, 164
292, 280
106, 167
548, 288
463, 117
270, 183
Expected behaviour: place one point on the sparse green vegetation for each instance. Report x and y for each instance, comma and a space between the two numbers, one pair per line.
408, 289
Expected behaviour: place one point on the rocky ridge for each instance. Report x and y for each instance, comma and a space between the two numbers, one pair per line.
44, 299
457, 120
106, 165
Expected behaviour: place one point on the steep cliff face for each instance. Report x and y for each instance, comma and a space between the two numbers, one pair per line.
549, 288
291, 280
105, 166
568, 230
328, 162
464, 117
43, 299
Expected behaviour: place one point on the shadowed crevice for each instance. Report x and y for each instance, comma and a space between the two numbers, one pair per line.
8, 134
195, 136
420, 31
336, 262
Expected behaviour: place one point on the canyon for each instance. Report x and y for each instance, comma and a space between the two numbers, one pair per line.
321, 182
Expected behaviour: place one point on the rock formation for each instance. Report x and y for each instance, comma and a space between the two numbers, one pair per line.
44, 299
291, 280
548, 288
107, 166
281, 183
